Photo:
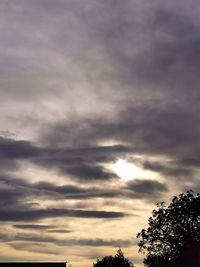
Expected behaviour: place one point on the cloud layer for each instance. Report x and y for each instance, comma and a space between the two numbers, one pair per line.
82, 85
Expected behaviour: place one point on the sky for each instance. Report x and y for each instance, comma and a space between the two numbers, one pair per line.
99, 121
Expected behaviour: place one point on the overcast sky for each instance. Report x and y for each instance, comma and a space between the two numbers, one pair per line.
100, 120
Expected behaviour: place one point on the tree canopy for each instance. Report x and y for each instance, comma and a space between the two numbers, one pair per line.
172, 231
114, 261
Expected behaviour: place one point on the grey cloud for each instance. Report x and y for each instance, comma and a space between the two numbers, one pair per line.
17, 197
89, 172
82, 163
153, 129
8, 165
75, 192
27, 192
173, 54
191, 160
41, 227
11, 198
18, 192
165, 69
19, 206
59, 231
147, 187
124, 36
33, 215
13, 149
77, 74
165, 131
5, 237
59, 189
75, 242
13, 195
173, 169
80, 168
32, 226
33, 247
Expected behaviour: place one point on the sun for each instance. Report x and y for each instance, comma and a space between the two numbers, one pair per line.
128, 171
125, 170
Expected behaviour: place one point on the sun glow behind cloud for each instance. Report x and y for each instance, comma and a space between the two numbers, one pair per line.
128, 171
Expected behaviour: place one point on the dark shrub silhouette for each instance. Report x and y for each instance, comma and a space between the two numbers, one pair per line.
117, 261
173, 236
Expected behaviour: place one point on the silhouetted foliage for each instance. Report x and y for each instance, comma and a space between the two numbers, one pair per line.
173, 235
117, 261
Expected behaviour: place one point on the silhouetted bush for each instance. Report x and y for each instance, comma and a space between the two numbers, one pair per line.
117, 261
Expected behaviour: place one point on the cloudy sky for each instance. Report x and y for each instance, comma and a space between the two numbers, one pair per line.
99, 120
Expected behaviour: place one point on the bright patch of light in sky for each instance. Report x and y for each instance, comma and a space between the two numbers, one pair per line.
128, 171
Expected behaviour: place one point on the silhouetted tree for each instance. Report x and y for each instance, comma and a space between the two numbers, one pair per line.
173, 235
117, 261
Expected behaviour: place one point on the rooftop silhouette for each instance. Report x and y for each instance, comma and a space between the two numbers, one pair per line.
33, 264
